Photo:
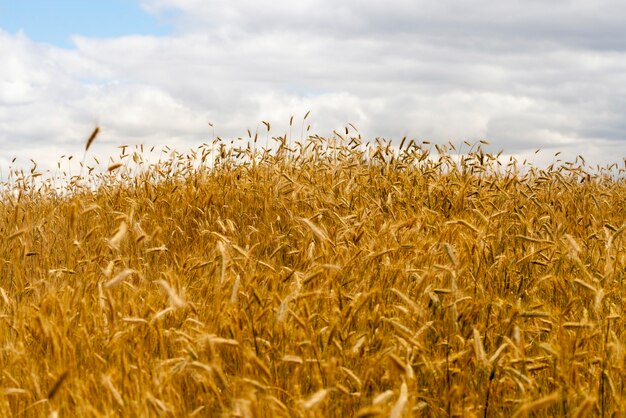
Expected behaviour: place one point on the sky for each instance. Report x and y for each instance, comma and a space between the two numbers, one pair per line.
522, 75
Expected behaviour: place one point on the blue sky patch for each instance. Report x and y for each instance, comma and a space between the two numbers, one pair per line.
54, 22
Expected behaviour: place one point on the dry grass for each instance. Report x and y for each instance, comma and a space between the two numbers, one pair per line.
332, 279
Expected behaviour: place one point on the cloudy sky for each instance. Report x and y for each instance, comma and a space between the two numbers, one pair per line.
521, 74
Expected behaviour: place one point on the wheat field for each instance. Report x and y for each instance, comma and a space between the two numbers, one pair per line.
323, 278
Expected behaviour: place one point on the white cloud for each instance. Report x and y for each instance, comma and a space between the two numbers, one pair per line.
523, 75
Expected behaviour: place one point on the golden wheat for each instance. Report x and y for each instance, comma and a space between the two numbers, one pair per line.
319, 278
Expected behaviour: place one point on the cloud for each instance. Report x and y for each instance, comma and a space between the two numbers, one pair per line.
449, 20
50, 100
528, 75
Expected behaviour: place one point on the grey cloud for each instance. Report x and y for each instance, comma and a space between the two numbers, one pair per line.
572, 22
524, 75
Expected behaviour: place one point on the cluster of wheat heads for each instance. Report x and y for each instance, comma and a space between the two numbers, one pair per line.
329, 279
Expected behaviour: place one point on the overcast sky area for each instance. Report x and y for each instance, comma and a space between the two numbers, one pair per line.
522, 75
